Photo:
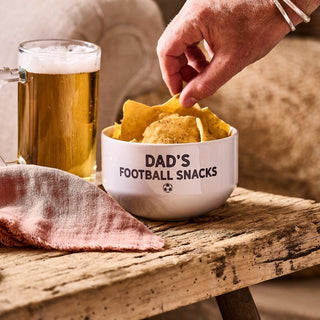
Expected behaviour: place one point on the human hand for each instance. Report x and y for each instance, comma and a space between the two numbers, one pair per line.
236, 34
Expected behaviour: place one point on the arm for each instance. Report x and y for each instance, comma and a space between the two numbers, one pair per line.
236, 33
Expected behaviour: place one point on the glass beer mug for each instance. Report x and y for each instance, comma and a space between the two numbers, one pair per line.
58, 82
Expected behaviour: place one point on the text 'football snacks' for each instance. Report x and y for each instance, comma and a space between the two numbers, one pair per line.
168, 123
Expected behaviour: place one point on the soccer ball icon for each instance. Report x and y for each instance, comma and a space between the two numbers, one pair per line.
167, 187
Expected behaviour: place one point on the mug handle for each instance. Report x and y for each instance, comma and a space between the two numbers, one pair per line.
9, 75
4, 163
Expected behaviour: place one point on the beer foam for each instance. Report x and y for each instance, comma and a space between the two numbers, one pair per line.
60, 59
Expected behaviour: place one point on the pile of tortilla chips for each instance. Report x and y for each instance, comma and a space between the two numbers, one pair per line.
169, 123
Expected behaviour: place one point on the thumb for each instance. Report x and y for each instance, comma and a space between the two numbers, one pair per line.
209, 80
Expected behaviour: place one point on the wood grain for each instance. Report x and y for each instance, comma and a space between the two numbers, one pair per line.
253, 237
238, 305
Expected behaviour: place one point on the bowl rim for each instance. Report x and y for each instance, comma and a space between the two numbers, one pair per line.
233, 133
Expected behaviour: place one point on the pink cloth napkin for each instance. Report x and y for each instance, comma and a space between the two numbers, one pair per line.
51, 209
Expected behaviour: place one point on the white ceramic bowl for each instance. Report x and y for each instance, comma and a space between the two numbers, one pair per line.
169, 181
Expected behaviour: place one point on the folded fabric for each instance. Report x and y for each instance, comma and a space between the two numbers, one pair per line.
51, 209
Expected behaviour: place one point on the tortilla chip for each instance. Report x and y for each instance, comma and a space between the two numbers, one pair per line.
116, 131
142, 123
213, 127
172, 129
136, 117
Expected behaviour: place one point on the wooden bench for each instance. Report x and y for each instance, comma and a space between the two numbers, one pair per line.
252, 238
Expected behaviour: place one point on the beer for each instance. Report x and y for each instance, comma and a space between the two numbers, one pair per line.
57, 110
